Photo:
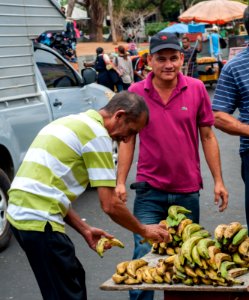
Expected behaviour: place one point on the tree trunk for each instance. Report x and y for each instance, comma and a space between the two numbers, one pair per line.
113, 30
70, 8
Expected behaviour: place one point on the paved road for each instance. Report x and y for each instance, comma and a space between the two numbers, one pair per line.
17, 281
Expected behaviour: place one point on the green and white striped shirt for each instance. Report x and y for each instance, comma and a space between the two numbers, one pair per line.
63, 159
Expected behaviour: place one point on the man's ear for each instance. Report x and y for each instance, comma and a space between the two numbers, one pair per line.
119, 114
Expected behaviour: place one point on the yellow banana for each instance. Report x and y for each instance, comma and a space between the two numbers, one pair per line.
147, 277
213, 275
220, 257
188, 281
196, 280
169, 260
207, 281
134, 265
130, 280
170, 251
167, 277
139, 274
182, 225
235, 272
219, 232
164, 222
200, 273
244, 249
161, 267
189, 271
204, 264
202, 247
121, 267
117, 278
178, 264
100, 247
175, 209
163, 245
157, 278
232, 229
116, 242
212, 250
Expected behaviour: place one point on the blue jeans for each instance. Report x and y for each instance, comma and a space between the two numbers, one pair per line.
150, 207
245, 177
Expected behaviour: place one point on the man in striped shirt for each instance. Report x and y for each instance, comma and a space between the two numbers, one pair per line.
66, 156
232, 92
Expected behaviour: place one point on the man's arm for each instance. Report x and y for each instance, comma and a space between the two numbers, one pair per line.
199, 45
230, 125
120, 214
212, 155
125, 158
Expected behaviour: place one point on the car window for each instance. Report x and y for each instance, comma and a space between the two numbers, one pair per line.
55, 72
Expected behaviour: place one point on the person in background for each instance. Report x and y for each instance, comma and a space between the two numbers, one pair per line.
132, 47
214, 43
66, 156
168, 168
139, 63
231, 93
190, 55
124, 65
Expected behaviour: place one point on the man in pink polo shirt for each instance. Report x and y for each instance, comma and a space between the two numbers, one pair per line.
168, 169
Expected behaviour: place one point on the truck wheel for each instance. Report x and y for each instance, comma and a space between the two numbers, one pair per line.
5, 233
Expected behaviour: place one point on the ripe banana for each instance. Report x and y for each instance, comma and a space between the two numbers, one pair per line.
117, 278
244, 249
161, 267
207, 281
100, 247
174, 210
139, 274
219, 232
131, 280
202, 247
213, 275
182, 225
167, 277
157, 278
212, 250
240, 236
220, 257
170, 251
189, 271
200, 273
232, 229
188, 245
121, 267
177, 263
189, 230
235, 272
134, 265
196, 257
170, 260
147, 277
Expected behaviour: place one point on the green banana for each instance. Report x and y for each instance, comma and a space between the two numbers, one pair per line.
240, 236
225, 266
188, 245
190, 229
196, 256
238, 260
177, 263
202, 247
174, 210
203, 233
188, 281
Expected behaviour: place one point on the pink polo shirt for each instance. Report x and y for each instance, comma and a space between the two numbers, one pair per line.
169, 145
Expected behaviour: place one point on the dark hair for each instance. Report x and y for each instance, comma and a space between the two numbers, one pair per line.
133, 104
185, 38
246, 19
122, 52
99, 50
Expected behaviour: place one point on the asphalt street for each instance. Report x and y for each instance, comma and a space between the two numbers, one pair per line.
16, 278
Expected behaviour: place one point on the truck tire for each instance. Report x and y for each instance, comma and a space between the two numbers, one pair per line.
5, 232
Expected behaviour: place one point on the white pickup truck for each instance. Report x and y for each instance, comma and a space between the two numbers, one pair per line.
61, 91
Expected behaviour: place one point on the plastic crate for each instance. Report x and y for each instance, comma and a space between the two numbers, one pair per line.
212, 77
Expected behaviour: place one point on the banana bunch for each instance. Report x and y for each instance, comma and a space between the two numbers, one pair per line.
103, 242
229, 237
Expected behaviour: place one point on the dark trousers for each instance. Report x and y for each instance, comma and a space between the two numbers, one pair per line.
51, 255
245, 177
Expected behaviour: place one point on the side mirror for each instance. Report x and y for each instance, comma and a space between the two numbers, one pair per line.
89, 75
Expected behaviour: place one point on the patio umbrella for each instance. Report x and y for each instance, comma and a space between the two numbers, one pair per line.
176, 28
214, 12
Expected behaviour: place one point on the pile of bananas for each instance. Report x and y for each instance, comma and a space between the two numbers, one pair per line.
194, 257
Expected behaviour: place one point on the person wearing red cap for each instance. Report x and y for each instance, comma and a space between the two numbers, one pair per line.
168, 168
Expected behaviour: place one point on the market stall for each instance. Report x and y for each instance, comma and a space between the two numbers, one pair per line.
208, 69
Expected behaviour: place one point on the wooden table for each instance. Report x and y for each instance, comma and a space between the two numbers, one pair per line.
181, 291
